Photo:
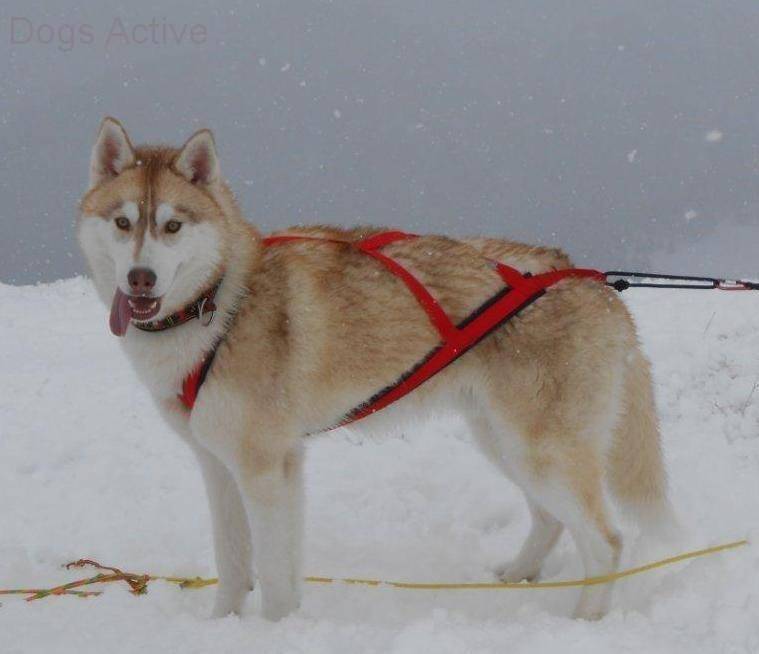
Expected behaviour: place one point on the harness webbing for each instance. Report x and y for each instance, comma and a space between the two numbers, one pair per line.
520, 291
192, 383
371, 246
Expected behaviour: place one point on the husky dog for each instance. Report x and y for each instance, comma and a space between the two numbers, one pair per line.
560, 399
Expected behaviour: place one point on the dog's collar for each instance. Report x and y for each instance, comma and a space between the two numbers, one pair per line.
203, 308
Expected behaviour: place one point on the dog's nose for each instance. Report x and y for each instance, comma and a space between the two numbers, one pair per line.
141, 280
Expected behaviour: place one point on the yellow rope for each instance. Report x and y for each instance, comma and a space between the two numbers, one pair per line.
197, 582
138, 582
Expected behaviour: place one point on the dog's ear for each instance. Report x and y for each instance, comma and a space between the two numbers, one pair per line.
197, 161
112, 153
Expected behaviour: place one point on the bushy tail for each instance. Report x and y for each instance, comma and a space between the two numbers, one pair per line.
637, 476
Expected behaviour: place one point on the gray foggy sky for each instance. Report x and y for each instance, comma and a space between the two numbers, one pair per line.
626, 132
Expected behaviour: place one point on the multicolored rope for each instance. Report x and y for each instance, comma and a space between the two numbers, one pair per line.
138, 583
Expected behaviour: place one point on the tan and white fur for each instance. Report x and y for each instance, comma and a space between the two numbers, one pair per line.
560, 398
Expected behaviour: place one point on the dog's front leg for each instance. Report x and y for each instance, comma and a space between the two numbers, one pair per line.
271, 488
231, 535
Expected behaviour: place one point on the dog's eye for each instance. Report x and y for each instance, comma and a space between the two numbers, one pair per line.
173, 226
122, 223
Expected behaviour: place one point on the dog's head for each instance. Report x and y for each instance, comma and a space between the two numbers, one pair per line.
152, 224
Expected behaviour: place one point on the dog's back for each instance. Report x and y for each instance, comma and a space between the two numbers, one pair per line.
526, 258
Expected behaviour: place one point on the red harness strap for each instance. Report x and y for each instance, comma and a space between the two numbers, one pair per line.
521, 290
192, 383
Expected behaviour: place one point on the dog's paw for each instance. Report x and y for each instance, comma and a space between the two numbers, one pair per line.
513, 573
230, 601
276, 610
590, 616
223, 609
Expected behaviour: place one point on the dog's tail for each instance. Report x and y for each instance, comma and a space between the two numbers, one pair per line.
637, 476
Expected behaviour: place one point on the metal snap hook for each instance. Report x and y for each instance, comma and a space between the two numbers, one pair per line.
202, 314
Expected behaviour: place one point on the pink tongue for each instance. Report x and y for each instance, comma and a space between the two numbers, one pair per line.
121, 313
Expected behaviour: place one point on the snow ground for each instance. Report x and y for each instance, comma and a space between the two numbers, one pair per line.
88, 469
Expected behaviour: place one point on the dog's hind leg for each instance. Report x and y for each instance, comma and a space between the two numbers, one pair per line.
231, 533
598, 542
545, 530
544, 534
574, 493
562, 480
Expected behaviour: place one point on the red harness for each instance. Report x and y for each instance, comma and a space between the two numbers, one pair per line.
456, 339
